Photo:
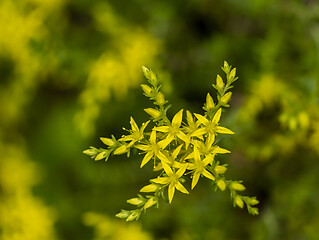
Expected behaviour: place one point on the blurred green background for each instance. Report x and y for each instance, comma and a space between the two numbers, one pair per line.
70, 72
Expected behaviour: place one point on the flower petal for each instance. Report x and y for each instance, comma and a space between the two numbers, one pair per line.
224, 130
177, 119
195, 178
134, 125
167, 169
161, 129
208, 175
181, 188
146, 158
161, 180
217, 115
171, 191
202, 119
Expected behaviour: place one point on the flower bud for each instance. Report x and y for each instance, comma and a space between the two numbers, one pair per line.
123, 214
238, 186
232, 74
239, 202
134, 201
121, 150
225, 99
149, 188
220, 169
221, 184
153, 112
152, 201
219, 83
100, 156
209, 102
107, 141
147, 89
160, 99
91, 151
132, 217
252, 201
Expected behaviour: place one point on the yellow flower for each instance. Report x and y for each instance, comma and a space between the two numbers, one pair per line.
174, 129
199, 167
211, 127
136, 133
172, 180
152, 149
208, 148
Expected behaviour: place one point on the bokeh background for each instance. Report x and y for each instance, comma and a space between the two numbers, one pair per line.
70, 72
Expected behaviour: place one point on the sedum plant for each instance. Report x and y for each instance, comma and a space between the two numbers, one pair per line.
178, 149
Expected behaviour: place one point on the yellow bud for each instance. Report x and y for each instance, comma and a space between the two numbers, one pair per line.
90, 152
122, 149
225, 99
232, 74
132, 217
239, 202
253, 201
100, 156
160, 99
152, 201
146, 89
209, 102
220, 169
134, 201
153, 112
238, 186
149, 188
219, 82
123, 214
107, 141
221, 185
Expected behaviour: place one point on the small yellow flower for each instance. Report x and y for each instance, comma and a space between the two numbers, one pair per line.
172, 180
152, 149
174, 129
136, 133
211, 127
199, 167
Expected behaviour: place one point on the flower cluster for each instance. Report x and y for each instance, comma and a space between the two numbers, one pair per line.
178, 149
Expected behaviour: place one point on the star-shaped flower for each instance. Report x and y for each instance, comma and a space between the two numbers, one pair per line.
199, 167
174, 129
207, 148
172, 180
136, 133
152, 149
211, 127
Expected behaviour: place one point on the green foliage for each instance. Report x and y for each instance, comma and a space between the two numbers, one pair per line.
178, 151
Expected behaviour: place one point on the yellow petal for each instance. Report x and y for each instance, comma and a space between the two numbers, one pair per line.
201, 118
153, 137
217, 115
181, 188
146, 159
161, 180
195, 178
167, 169
161, 129
208, 175
181, 171
134, 125
177, 119
176, 151
171, 191
223, 130
162, 157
